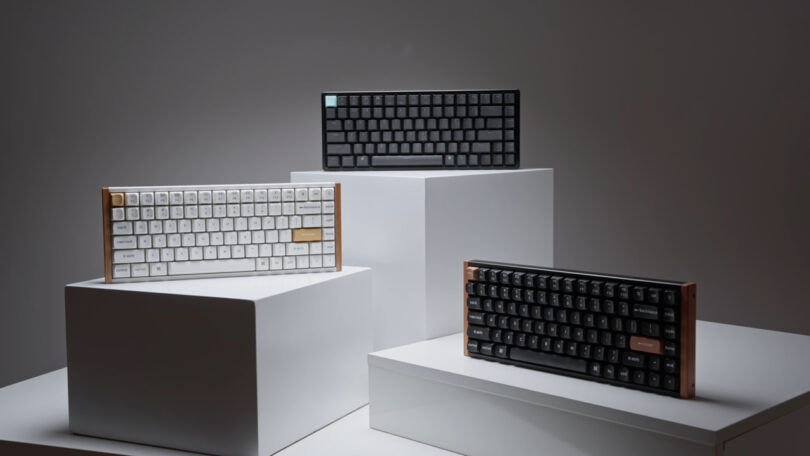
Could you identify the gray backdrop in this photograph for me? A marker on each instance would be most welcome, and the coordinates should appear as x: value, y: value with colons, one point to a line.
x: 678, y: 131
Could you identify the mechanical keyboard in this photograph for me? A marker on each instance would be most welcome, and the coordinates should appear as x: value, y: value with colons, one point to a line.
x: 421, y: 129
x: 161, y: 233
x: 625, y: 331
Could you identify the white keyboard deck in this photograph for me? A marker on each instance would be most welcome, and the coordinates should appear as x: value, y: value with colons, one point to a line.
x: 160, y: 233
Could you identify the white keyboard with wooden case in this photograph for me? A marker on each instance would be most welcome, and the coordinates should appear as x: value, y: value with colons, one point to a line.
x: 183, y: 232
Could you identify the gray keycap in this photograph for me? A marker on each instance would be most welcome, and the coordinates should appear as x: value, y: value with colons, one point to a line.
x: 492, y: 111
x: 407, y: 160
x: 480, y: 147
x: 336, y: 137
x: 348, y: 161
x: 490, y: 135
x: 332, y: 125
x: 338, y: 149
x: 362, y: 161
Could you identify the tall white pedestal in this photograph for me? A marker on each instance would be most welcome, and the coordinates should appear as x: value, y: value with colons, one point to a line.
x: 415, y: 228
x: 230, y: 366
x: 753, y: 397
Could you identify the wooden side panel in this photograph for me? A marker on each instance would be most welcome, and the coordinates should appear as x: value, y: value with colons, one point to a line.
x: 338, y: 224
x: 106, y: 215
x: 688, y: 323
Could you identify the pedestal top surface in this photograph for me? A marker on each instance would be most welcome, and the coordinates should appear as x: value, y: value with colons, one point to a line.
x: 247, y: 288
x: 745, y: 377
x: 415, y: 174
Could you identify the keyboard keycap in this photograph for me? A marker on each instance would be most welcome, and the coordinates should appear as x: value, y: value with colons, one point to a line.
x: 549, y: 360
x: 407, y: 160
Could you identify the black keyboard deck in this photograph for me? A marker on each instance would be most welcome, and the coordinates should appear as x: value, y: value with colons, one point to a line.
x: 421, y: 130
x: 631, y: 332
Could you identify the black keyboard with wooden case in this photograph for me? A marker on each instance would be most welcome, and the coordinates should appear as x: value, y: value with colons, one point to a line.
x: 625, y: 331
x: 451, y: 129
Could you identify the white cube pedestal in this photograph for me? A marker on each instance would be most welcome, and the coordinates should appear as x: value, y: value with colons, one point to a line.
x: 753, y: 395
x: 415, y: 228
x: 230, y: 366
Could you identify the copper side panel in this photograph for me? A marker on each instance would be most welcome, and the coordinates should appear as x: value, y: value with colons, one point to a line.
x: 688, y: 322
x: 470, y: 273
x: 106, y: 214
x: 338, y: 236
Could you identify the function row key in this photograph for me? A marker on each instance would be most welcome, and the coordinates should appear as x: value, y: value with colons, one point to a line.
x: 221, y: 196
x: 416, y: 99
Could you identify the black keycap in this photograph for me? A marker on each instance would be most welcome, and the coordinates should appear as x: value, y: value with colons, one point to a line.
x: 625, y: 291
x: 595, y: 288
x: 487, y: 348
x: 472, y: 346
x: 549, y: 360
x: 624, y: 374
x: 670, y: 349
x: 639, y: 293
x: 633, y: 359
x: 555, y: 283
x: 595, y: 369
x: 488, y: 305
x: 334, y: 125
x: 476, y: 318
x: 670, y: 332
x: 654, y: 362
x: 502, y: 351
x: 478, y: 332
x: 639, y: 378
x: 650, y: 329
x: 491, y: 111
x: 645, y: 311
x: 609, y: 290
x: 517, y: 279
x: 509, y: 337
x: 654, y: 295
x: 669, y: 297
x: 669, y: 315
x: 653, y: 380
x: 609, y: 372
x: 670, y: 383
x: 479, y: 147
x: 670, y: 366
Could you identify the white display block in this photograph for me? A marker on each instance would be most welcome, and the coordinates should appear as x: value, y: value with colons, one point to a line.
x: 752, y: 385
x: 229, y: 366
x: 415, y: 229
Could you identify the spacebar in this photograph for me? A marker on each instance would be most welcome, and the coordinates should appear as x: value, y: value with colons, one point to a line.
x: 549, y: 360
x: 211, y: 266
x: 406, y: 160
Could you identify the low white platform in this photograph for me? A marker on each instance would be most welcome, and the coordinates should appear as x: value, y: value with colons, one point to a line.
x: 753, y: 397
x: 230, y: 366
x: 415, y: 228
x: 34, y: 420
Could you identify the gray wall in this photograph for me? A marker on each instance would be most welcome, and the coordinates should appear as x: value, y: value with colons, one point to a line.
x: 678, y: 131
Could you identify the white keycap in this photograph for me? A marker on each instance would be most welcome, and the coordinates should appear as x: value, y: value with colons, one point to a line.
x: 152, y: 255
x: 329, y: 261
x: 328, y: 234
x: 184, y: 226
x: 157, y: 269
x: 206, y: 211
x: 329, y: 207
x: 190, y: 197
x: 260, y: 195
x: 282, y: 222
x: 159, y: 241
x: 301, y: 194
x: 275, y: 264
x: 274, y: 209
x: 271, y: 236
x: 226, y: 224
x: 247, y: 196
x: 238, y: 251
x: 195, y: 253
x: 328, y: 193
x: 140, y: 270
x: 148, y: 213
x: 155, y: 227
x: 181, y: 254
x: 315, y: 194
x: 287, y: 194
x: 312, y: 221
x: 202, y: 240
x: 233, y: 196
x: 173, y: 240
x: 266, y: 250
x: 191, y: 212
x: 252, y: 251
x: 224, y: 251
x: 247, y: 210
x: 204, y: 196
x: 128, y: 256
x: 147, y: 199
x: 210, y: 253
x: 122, y: 228
x: 188, y: 240
x: 285, y: 236
x: 261, y: 209
x: 175, y: 198
x: 219, y: 197
x: 295, y: 221
x: 244, y: 237
x: 328, y: 220
x: 141, y: 228
x: 329, y: 247
x: 289, y: 262
x: 132, y: 199
x: 262, y: 264
x: 133, y: 213
x: 220, y: 210
x: 231, y: 238
x: 212, y: 225
x: 279, y: 250
x: 145, y: 242
x: 170, y: 226
x: 177, y: 212
x: 254, y: 223
x: 315, y: 248
x: 257, y: 237
x: 118, y: 213
x: 162, y: 198
x: 315, y: 261
x: 217, y: 238
x: 294, y: 248
x: 302, y: 262
x: 311, y: 207
x: 233, y: 210
x: 241, y: 224
x: 121, y: 271
x: 166, y: 255
x: 162, y: 212
x: 288, y: 208
x: 198, y: 226
x: 268, y: 223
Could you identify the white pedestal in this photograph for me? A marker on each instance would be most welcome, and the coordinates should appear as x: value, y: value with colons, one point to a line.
x: 415, y: 228
x: 753, y: 396
x: 231, y: 366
